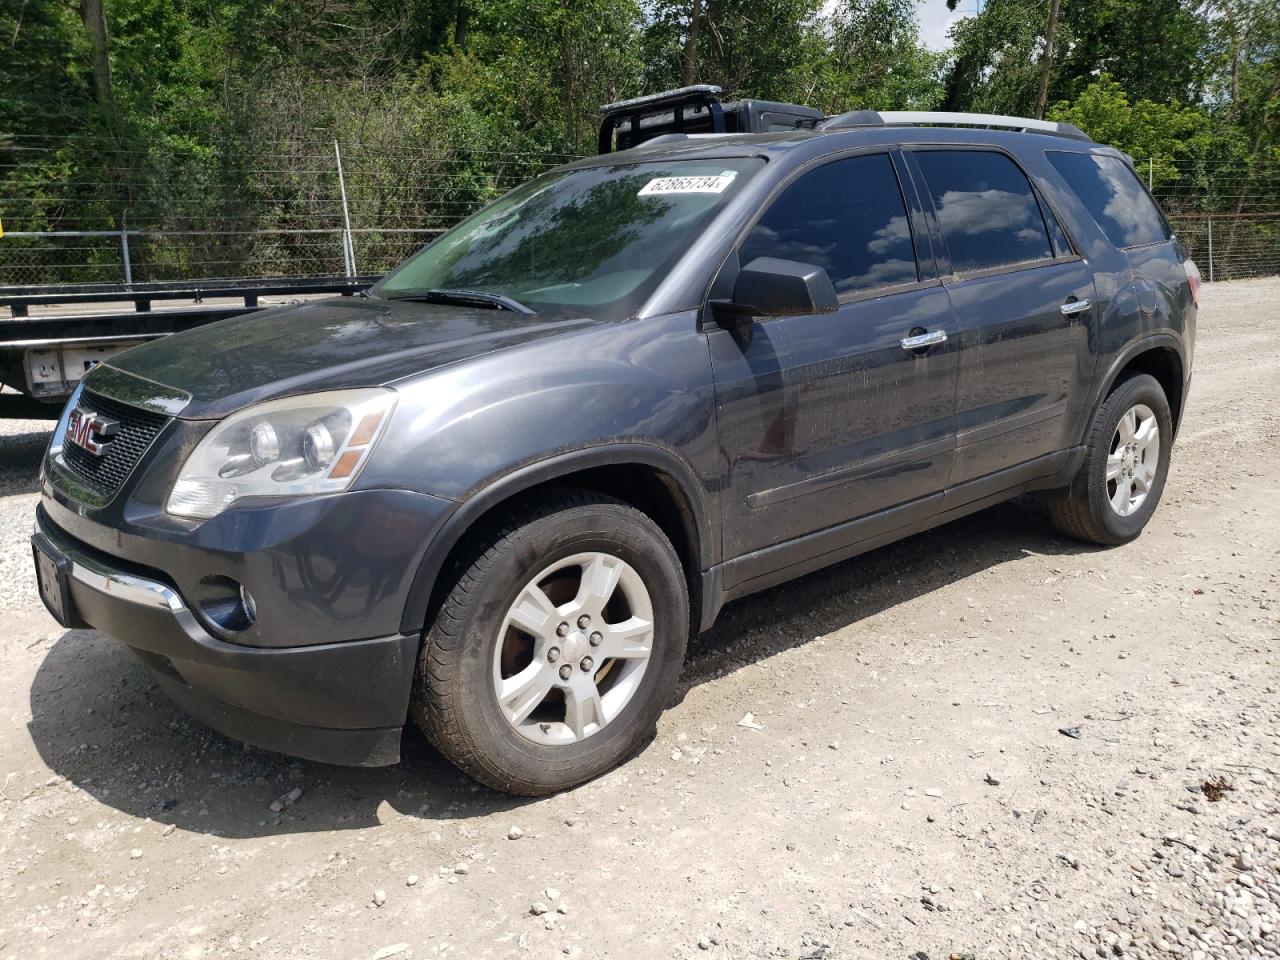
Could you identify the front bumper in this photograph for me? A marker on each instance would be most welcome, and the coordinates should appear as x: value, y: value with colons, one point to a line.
x: 341, y: 703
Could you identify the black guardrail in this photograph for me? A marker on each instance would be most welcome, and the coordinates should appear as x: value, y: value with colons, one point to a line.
x: 141, y: 295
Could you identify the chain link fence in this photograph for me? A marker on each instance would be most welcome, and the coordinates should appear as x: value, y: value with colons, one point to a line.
x: 296, y: 209
x: 1228, y: 214
x: 287, y: 214
x: 136, y: 256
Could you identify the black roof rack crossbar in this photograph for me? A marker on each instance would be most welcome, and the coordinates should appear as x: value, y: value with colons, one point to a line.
x: 667, y: 97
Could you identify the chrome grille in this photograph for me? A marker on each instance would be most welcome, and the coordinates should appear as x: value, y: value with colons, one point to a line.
x: 107, y: 473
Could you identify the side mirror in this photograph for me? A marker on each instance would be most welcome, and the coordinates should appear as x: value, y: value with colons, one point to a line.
x: 769, y: 287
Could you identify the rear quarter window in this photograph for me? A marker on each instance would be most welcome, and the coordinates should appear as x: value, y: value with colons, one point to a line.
x: 1114, y: 197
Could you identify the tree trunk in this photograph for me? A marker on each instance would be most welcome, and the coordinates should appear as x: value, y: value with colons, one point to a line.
x: 460, y: 25
x: 1046, y: 68
x: 95, y: 22
x: 569, y: 76
x: 689, y: 65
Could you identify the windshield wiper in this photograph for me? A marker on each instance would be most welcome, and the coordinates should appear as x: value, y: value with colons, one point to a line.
x: 467, y: 298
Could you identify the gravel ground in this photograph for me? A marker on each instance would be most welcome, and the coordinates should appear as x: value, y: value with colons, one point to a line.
x: 902, y: 787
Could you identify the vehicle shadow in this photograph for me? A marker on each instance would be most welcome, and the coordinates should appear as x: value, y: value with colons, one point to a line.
x: 797, y: 612
x: 20, y: 455
x: 99, y: 721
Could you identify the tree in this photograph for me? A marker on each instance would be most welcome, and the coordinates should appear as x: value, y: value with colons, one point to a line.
x: 873, y: 59
x: 994, y: 59
x: 1145, y: 130
x: 750, y: 48
x: 1152, y: 48
x: 1046, y: 66
x: 95, y: 24
x: 217, y: 115
x: 1001, y: 58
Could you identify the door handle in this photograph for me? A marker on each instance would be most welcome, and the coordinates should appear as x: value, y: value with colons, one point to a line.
x: 922, y: 341
x: 1072, y: 307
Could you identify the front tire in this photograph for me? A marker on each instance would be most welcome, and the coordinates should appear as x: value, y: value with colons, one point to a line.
x: 1125, y: 466
x: 557, y: 646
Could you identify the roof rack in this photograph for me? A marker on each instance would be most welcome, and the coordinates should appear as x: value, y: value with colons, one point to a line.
x: 921, y: 118
x: 662, y: 112
x: 692, y: 111
x: 696, y: 92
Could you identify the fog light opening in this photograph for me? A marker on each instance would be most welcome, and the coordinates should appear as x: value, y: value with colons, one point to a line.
x: 227, y: 604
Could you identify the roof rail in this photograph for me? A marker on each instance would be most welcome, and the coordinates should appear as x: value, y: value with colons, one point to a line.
x: 921, y: 118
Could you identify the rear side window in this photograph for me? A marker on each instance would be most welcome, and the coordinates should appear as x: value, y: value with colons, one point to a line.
x: 986, y: 209
x: 847, y: 217
x: 1113, y: 195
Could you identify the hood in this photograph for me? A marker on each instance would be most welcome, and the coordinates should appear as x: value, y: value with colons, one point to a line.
x: 324, y: 345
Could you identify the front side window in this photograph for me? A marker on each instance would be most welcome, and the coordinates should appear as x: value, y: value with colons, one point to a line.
x: 986, y: 209
x: 1114, y: 197
x: 600, y: 237
x: 847, y: 217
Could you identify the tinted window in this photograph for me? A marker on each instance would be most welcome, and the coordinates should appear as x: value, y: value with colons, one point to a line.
x: 986, y: 208
x: 1114, y: 196
x: 1061, y: 245
x: 847, y: 217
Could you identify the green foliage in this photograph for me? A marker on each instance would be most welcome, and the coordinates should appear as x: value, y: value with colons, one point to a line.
x: 1152, y: 48
x: 874, y: 60
x: 996, y: 54
x: 223, y: 113
x: 1244, y: 52
x: 850, y: 55
x: 1145, y: 130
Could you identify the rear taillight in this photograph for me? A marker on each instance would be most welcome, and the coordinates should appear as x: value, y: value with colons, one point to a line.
x: 1193, y: 277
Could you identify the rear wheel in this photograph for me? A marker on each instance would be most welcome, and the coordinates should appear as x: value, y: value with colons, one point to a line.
x: 1126, y: 462
x: 557, y: 647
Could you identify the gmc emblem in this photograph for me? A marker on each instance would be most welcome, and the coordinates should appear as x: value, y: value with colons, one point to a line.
x: 91, y: 431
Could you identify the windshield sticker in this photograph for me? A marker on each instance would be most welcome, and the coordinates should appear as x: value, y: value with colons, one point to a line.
x: 665, y: 185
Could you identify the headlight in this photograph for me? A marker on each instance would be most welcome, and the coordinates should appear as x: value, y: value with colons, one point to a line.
x: 311, y: 444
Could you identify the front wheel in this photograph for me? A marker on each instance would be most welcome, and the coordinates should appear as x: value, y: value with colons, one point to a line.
x: 557, y: 646
x: 1125, y: 465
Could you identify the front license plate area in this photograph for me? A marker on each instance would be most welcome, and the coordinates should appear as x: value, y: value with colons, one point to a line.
x: 54, y: 582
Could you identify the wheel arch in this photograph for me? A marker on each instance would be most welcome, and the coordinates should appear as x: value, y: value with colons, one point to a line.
x: 653, y: 479
x: 1162, y: 357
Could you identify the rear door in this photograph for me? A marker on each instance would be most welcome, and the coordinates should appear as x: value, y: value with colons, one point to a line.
x: 828, y: 418
x: 1024, y: 302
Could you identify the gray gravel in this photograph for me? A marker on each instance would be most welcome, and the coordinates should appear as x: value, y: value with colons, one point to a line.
x: 22, y: 443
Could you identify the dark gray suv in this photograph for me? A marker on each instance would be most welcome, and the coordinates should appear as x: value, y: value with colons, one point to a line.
x: 499, y: 491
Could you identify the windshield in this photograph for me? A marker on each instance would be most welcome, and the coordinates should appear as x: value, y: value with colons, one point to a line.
x: 599, y: 238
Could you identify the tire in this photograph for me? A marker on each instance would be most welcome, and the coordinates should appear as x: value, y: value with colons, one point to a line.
x: 1087, y: 509
x: 477, y: 645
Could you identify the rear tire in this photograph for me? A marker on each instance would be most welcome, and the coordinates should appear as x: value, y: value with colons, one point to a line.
x: 539, y: 673
x: 1118, y: 485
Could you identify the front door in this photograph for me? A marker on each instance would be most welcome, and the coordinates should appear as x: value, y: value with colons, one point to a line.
x: 829, y: 418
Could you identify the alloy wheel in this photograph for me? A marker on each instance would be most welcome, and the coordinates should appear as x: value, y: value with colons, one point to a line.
x: 1134, y: 458
x: 573, y: 648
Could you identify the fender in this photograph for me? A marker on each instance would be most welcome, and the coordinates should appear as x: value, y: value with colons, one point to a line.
x: 1103, y: 384
x: 496, y: 490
